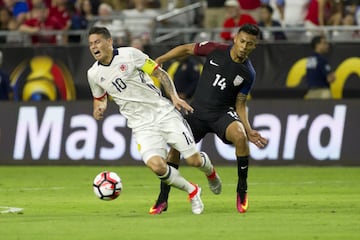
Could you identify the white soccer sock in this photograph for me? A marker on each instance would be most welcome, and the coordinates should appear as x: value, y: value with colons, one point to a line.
x: 172, y: 177
x: 206, y: 165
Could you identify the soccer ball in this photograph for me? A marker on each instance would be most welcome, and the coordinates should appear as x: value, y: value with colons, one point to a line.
x: 107, y: 185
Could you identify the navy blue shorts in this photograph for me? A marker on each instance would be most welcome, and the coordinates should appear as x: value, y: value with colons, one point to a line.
x: 200, y: 127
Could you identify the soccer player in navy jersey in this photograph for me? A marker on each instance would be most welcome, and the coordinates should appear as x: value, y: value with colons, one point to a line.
x: 319, y: 74
x: 220, y: 103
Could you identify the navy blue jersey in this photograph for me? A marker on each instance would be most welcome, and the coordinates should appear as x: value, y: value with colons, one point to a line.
x: 187, y: 76
x: 5, y: 87
x: 221, y: 80
x: 317, y: 69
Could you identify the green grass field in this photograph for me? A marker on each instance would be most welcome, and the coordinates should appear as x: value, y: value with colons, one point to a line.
x: 285, y: 203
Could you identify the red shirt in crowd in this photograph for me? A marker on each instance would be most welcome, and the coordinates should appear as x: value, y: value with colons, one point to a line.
x: 48, y: 24
x: 60, y: 16
x: 313, y: 12
x: 231, y: 23
x: 249, y: 4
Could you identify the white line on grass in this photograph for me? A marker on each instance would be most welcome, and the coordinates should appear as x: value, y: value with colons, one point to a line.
x: 4, y: 209
x: 32, y: 189
x: 40, y: 189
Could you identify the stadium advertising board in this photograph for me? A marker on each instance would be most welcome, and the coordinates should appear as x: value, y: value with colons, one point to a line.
x: 65, y: 133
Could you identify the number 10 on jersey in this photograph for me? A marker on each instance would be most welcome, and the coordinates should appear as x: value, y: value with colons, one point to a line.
x: 119, y: 84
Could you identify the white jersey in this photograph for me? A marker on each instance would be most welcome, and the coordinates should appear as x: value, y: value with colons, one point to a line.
x: 127, y: 81
x: 295, y: 12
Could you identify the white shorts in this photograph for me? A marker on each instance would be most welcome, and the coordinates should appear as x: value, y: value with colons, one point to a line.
x: 171, y: 129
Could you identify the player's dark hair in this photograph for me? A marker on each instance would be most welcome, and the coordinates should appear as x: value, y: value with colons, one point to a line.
x: 251, y: 29
x: 268, y: 8
x: 315, y: 41
x: 101, y: 31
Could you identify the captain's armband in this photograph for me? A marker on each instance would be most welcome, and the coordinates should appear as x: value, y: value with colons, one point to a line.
x: 149, y: 66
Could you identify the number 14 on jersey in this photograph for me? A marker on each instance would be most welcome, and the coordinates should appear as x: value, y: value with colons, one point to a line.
x: 219, y: 81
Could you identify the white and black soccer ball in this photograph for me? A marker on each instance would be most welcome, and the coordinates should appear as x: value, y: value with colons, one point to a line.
x: 107, y: 185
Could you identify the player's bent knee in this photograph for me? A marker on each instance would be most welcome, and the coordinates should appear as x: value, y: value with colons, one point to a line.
x: 241, y: 144
x: 157, y: 165
x: 194, y: 160
x: 241, y: 140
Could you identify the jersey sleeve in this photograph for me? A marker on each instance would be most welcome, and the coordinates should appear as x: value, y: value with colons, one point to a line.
x: 247, y: 87
x: 249, y: 84
x: 143, y: 62
x: 96, y: 90
x: 205, y: 48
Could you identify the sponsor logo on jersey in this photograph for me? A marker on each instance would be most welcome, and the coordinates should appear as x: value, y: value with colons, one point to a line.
x: 102, y: 79
x: 238, y: 80
x: 123, y: 67
x: 203, y: 43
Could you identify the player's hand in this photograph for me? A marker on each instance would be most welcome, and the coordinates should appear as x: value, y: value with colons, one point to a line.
x: 331, y: 77
x: 182, y: 106
x: 99, y: 113
x: 158, y: 61
x: 255, y: 137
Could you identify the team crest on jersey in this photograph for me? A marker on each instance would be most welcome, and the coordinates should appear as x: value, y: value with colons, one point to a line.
x: 238, y: 80
x: 123, y: 67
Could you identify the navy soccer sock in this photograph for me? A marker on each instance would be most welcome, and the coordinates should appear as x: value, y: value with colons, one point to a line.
x: 243, y: 166
x: 164, y: 188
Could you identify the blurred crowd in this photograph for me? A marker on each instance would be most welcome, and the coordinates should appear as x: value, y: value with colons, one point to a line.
x: 134, y: 20
x: 41, y: 19
x: 287, y: 17
x: 132, y: 23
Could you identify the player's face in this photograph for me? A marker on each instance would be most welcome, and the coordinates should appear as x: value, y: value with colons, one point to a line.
x: 323, y: 46
x: 101, y: 48
x: 244, y: 44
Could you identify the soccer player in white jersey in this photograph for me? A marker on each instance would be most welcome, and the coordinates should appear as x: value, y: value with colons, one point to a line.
x: 124, y: 74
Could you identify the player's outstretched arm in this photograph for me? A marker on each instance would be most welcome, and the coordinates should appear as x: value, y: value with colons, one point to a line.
x: 100, y: 105
x: 177, y: 52
x: 253, y: 135
x: 242, y: 112
x: 170, y: 90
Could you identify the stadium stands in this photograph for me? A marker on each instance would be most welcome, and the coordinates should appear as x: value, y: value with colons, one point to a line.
x: 179, y: 25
